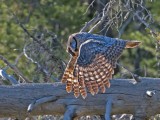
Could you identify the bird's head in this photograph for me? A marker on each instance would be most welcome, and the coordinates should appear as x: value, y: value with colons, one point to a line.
x: 76, y: 39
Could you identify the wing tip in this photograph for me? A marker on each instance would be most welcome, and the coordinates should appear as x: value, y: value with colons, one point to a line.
x: 68, y: 90
x: 132, y: 44
x: 84, y: 96
x: 69, y: 86
x: 76, y: 95
x: 103, y: 90
x: 92, y: 92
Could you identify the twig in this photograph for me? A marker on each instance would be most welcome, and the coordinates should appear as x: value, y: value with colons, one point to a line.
x: 10, y: 78
x: 27, y: 32
x: 104, y: 15
x: 44, y: 71
x: 17, y: 59
x: 29, y: 58
x: 15, y: 69
x: 108, y: 109
x: 135, y: 76
x: 135, y: 13
x: 101, y: 20
x: 69, y: 114
x: 40, y: 101
x: 91, y: 22
x: 49, y: 51
x: 145, y: 23
x: 125, y: 24
x: 91, y: 4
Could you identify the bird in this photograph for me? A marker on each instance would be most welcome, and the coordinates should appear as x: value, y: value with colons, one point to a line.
x: 92, y: 62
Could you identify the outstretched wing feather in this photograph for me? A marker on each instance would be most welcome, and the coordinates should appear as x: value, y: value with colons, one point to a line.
x: 93, y: 68
x: 97, y: 61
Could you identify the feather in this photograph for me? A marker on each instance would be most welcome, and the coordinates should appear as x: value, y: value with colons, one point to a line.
x: 92, y: 66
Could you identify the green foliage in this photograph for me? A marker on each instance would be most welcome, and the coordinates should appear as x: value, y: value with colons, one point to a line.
x: 36, y: 16
x: 147, y: 54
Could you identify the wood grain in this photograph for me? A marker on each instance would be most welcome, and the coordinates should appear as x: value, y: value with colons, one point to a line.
x: 127, y: 97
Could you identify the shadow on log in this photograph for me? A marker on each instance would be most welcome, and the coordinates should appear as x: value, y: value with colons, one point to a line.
x: 142, y: 99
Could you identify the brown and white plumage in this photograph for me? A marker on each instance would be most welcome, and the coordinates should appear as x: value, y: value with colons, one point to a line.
x: 92, y: 63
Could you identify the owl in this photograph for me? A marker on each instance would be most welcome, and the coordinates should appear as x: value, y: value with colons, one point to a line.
x: 92, y: 62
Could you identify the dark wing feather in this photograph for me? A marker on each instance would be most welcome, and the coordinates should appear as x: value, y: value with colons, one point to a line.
x: 95, y: 64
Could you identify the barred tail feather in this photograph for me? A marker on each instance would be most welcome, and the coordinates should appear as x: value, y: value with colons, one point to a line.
x: 88, y: 79
x: 69, y: 86
x: 76, y: 82
x: 101, y: 85
x: 106, y: 83
x: 64, y: 77
x: 82, y: 84
x: 68, y: 76
x: 76, y: 88
x: 89, y: 86
x: 95, y: 86
x: 82, y: 88
x: 68, y: 79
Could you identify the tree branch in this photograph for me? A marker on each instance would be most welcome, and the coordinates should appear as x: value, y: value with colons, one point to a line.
x: 40, y: 101
x: 14, y: 68
x: 103, y: 17
x: 10, y: 78
x: 70, y: 112
x: 108, y: 108
x: 91, y: 22
x: 127, y: 97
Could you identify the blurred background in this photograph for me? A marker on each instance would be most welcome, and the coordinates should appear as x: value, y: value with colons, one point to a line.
x: 34, y: 33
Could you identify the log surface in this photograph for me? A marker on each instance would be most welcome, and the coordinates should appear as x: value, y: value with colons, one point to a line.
x: 127, y: 97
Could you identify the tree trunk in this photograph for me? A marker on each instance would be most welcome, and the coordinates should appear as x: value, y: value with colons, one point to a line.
x: 140, y: 99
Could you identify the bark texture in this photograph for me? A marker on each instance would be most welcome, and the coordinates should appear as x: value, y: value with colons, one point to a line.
x: 140, y: 99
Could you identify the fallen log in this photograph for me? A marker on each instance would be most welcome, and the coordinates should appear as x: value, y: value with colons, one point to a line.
x: 141, y: 99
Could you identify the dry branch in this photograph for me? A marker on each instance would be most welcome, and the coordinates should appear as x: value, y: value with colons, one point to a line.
x: 127, y: 97
x: 91, y: 22
x: 10, y: 78
x: 14, y: 68
x: 108, y: 108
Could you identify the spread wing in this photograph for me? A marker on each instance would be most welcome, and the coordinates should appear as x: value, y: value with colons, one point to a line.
x: 92, y: 66
x: 95, y: 65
